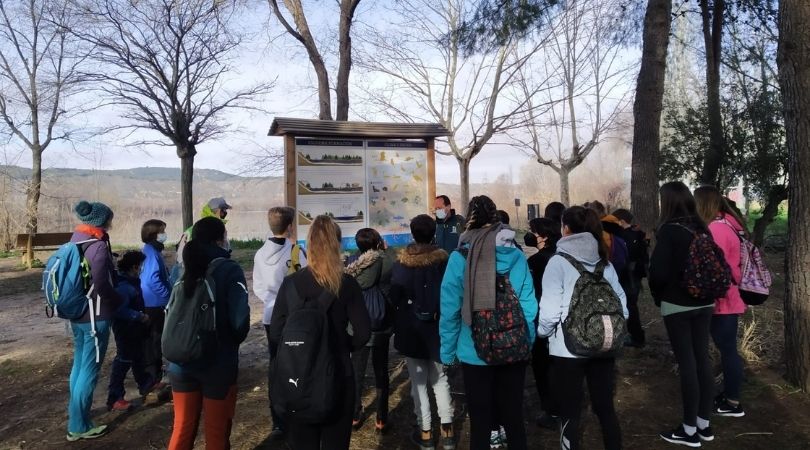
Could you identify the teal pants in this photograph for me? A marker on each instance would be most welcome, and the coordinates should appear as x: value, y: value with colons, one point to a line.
x: 84, y: 375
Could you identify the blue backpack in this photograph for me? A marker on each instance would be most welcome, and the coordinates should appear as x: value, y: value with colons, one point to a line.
x: 66, y: 281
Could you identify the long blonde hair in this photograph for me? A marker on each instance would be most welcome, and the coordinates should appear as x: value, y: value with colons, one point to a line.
x: 323, y: 244
x: 710, y: 203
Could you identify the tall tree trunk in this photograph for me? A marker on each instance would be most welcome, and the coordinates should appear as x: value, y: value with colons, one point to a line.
x: 794, y: 77
x: 776, y: 196
x: 32, y: 203
x: 186, y: 155
x: 712, y: 38
x: 347, y: 9
x: 565, y: 192
x: 649, y: 103
x: 464, y: 178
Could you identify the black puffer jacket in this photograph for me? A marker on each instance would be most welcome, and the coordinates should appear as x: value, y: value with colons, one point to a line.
x: 415, y: 292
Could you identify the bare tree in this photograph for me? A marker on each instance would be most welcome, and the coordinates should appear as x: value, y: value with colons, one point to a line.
x: 647, y: 112
x: 300, y: 30
x: 165, y: 65
x: 585, y: 58
x: 794, y: 74
x: 425, y: 77
x: 39, y: 75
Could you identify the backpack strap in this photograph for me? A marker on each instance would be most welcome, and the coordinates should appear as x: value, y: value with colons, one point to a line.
x: 577, y: 265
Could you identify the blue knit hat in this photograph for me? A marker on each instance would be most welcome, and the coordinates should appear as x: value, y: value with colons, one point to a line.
x: 96, y: 214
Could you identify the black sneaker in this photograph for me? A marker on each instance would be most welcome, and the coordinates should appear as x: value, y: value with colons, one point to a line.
x: 418, y: 439
x: 448, y: 437
x: 706, y: 434
x: 726, y: 409
x: 679, y: 436
x: 548, y: 421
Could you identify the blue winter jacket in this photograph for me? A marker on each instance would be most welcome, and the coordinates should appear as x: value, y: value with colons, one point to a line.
x: 132, y: 307
x: 456, y: 336
x: 155, y: 277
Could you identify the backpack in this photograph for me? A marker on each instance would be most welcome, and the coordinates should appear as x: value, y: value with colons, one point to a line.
x: 376, y: 306
x: 595, y: 326
x: 66, y: 282
x: 190, y: 328
x: 706, y: 275
x: 304, y: 381
x: 756, y: 280
x: 423, y: 304
x: 501, y: 336
x: 294, y: 265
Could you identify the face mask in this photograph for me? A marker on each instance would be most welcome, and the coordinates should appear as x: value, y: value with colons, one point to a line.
x: 161, y: 237
x: 441, y: 214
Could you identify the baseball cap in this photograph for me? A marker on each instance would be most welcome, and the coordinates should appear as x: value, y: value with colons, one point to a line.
x: 218, y: 203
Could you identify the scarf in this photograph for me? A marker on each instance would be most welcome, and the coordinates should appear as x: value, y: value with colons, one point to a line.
x: 91, y: 230
x: 479, y: 270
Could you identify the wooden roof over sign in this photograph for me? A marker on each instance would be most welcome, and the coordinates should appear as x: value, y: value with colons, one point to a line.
x: 283, y: 126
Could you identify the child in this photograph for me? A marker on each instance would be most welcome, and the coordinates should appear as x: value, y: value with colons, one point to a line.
x: 415, y: 294
x: 130, y: 328
x: 278, y: 257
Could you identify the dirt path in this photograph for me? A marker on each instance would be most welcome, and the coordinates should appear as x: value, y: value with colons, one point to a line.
x: 35, y: 358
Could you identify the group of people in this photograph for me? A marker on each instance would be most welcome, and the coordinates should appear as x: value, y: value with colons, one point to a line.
x: 462, y: 296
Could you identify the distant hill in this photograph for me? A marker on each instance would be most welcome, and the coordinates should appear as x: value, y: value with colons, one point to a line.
x: 138, y: 173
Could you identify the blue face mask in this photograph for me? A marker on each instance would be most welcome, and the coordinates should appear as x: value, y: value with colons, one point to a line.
x: 441, y: 214
x: 161, y: 237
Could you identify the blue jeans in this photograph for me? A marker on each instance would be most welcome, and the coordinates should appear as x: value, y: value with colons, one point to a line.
x: 84, y: 375
x: 724, y: 335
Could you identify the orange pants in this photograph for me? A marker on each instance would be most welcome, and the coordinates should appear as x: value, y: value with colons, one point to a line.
x: 217, y: 420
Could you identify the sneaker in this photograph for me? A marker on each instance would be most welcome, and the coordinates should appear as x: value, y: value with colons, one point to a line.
x: 706, y: 434
x: 726, y: 409
x: 679, y: 436
x: 380, y: 426
x: 277, y: 433
x: 357, y: 420
x: 424, y: 439
x: 119, y: 405
x: 92, y: 433
x: 495, y: 439
x: 548, y: 421
x: 448, y: 437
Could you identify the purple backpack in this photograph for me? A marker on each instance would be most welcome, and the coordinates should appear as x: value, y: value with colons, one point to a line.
x: 756, y: 280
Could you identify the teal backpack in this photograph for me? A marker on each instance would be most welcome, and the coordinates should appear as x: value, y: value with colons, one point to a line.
x: 67, y: 283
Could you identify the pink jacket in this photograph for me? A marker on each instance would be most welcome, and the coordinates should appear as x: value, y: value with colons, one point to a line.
x: 728, y: 240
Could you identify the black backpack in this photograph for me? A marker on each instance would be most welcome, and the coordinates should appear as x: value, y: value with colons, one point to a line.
x: 190, y: 328
x: 304, y: 380
x: 595, y: 325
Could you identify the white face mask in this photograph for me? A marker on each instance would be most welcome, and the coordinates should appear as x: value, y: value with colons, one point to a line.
x: 441, y: 214
x: 161, y: 237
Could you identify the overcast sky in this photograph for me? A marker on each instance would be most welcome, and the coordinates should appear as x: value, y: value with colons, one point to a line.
x: 269, y: 55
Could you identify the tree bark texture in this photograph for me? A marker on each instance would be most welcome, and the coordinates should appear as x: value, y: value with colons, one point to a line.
x: 776, y: 196
x: 712, y: 38
x: 647, y: 113
x: 347, y: 8
x: 186, y: 155
x: 794, y: 75
x: 565, y: 191
x: 32, y: 203
x: 464, y: 178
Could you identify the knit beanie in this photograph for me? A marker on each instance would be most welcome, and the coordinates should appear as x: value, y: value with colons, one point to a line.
x: 96, y: 214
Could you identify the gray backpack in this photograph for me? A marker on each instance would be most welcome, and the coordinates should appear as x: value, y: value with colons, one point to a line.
x: 595, y: 326
x: 190, y: 329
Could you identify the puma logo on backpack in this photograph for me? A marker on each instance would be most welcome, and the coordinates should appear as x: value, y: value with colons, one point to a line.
x: 595, y: 326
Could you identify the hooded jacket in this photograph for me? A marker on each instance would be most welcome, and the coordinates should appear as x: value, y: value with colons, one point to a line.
x: 416, y: 282
x: 368, y: 269
x: 270, y: 265
x: 102, y: 272
x: 725, y: 230
x: 559, y: 280
x: 456, y: 336
x: 155, y: 277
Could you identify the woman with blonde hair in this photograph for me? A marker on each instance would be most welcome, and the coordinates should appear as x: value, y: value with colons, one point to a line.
x: 324, y: 274
x: 727, y: 228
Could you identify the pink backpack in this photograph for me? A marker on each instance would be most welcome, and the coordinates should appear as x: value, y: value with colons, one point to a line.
x: 755, y: 283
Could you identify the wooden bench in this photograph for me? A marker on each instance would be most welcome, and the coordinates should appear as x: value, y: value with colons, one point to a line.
x: 41, y: 241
